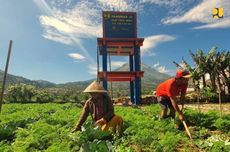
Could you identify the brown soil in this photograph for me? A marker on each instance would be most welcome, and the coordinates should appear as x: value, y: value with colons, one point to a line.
x: 207, y: 107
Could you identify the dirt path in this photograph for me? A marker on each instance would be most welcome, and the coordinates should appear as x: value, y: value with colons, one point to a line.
x: 208, y: 107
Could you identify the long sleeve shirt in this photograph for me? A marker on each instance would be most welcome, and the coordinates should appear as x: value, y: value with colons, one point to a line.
x: 97, y: 108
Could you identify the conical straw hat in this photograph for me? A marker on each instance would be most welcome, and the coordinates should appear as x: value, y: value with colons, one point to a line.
x: 95, y: 87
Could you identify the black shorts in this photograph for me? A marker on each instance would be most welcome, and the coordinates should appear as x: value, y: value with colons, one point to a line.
x: 164, y: 103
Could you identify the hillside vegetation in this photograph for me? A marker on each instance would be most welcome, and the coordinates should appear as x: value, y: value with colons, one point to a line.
x: 71, y: 91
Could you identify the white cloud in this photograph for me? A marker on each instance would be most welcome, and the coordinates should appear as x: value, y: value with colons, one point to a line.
x: 116, y: 64
x: 61, y: 38
x: 202, y: 13
x: 92, y: 69
x: 76, y: 21
x: 221, y: 24
x: 81, y: 20
x: 160, y: 68
x: 77, y: 56
x: 57, y: 24
x: 156, y: 65
x: 152, y: 41
x: 92, y: 72
x: 120, y: 5
x: 72, y: 25
x: 182, y: 65
x: 70, y: 22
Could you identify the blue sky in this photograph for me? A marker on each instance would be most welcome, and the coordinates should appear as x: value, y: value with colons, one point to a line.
x: 55, y: 40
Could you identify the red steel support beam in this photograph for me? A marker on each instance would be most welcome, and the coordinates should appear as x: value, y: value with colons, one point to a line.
x: 120, y: 76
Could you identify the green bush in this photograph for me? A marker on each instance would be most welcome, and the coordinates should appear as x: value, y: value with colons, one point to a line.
x: 223, y: 124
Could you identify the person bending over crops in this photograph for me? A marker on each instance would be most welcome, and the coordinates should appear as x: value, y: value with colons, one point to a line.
x: 101, y: 109
x: 167, y: 91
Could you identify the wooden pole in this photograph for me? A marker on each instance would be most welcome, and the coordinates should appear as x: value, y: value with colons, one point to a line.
x: 111, y: 84
x: 5, y: 74
x: 187, y: 130
x: 98, y: 60
x: 220, y: 107
x: 198, y: 101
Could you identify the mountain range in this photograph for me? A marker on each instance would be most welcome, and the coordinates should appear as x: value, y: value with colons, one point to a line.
x: 12, y: 79
x: 150, y: 80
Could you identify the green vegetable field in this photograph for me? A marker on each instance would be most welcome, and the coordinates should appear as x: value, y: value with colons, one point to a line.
x: 46, y: 127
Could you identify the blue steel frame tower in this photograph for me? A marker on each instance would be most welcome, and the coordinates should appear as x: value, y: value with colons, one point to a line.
x: 120, y: 39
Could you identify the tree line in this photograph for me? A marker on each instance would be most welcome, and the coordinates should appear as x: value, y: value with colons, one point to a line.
x: 23, y: 93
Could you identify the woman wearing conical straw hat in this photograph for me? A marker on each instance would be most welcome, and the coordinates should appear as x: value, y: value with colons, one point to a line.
x: 101, y: 109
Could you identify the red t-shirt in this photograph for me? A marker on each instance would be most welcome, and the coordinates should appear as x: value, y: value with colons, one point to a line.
x: 170, y: 88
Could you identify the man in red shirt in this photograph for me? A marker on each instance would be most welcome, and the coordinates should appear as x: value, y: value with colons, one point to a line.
x: 168, y: 90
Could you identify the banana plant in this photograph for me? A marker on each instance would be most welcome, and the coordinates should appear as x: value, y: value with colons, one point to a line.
x: 199, y: 59
x: 222, y: 66
x: 211, y: 66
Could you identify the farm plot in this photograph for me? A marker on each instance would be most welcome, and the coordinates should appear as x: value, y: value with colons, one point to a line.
x: 46, y: 127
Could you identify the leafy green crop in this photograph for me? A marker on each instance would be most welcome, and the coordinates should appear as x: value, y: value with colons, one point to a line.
x: 223, y: 124
x: 46, y: 127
